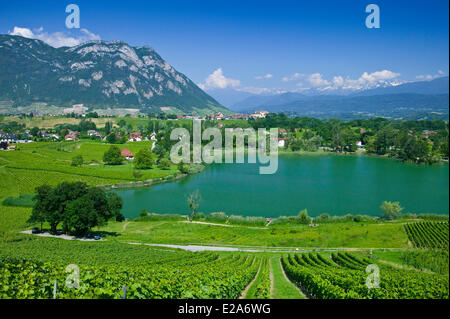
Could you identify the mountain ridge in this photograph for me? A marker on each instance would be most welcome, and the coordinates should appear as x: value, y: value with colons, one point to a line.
x: 98, y: 74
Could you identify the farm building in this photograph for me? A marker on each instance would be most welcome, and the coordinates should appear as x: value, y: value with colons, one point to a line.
x: 127, y: 154
x: 70, y: 137
x: 135, y: 137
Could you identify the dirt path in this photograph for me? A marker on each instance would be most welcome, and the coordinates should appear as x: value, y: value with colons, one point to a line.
x: 252, y: 249
x: 124, y: 227
x: 271, y: 279
x: 65, y: 237
x: 244, y: 292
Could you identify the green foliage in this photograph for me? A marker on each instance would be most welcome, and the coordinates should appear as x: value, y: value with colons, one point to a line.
x: 303, y: 217
x: 144, y: 159
x: 21, y: 201
x: 113, y: 156
x: 436, y: 260
x: 345, y: 278
x: 428, y: 234
x: 164, y: 163
x: 143, y: 213
x: 77, y: 206
x: 391, y: 210
x: 112, y: 138
x: 260, y: 289
x: 137, y: 174
x: 77, y: 160
x: 203, y: 276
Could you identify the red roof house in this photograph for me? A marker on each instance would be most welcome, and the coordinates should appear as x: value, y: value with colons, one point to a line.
x: 127, y: 154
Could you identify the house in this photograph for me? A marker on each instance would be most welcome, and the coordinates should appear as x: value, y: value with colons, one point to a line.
x: 153, y: 136
x: 282, y: 141
x: 12, y: 147
x: 180, y: 117
x: 94, y: 133
x: 70, y: 137
x: 135, y: 137
x: 259, y: 114
x: 76, y: 133
x: 282, y: 131
x: 8, y: 138
x: 359, y: 144
x: 127, y: 154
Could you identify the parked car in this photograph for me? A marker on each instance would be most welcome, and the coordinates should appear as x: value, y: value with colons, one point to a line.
x: 35, y: 230
x: 59, y: 232
x: 97, y: 237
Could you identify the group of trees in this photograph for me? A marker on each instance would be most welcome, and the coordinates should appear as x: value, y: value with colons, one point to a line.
x: 402, y: 139
x: 76, y: 206
x: 144, y: 159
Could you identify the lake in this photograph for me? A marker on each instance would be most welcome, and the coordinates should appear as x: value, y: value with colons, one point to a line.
x: 336, y: 185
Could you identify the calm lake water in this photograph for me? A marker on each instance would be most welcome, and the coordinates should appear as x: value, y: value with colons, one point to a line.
x: 337, y: 185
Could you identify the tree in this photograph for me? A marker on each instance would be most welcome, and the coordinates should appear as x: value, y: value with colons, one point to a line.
x: 183, y: 168
x: 111, y: 138
x: 75, y: 205
x: 108, y: 127
x: 391, y: 210
x: 193, y: 202
x: 143, y: 159
x: 77, y: 160
x: 113, y: 156
x: 34, y: 131
x: 88, y: 211
x: 164, y: 163
x: 143, y: 213
x: 42, y: 205
x: 303, y: 217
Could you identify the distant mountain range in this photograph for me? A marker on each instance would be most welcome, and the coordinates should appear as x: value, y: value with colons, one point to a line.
x: 424, y: 99
x: 97, y: 74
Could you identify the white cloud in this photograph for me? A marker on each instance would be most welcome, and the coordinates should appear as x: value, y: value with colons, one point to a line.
x: 217, y: 80
x: 365, y: 81
x: 379, y: 76
x: 56, y: 39
x: 267, y: 76
x: 316, y: 80
x: 426, y: 77
x: 293, y: 77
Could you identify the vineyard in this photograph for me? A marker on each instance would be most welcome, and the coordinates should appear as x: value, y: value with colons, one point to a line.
x: 343, y: 276
x: 428, y: 234
x: 260, y: 289
x: 200, y: 276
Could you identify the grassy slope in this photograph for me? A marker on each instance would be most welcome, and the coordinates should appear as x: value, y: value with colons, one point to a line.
x: 34, y: 164
x: 282, y: 288
x: 352, y: 234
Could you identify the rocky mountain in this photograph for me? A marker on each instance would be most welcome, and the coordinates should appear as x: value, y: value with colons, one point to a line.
x: 98, y: 74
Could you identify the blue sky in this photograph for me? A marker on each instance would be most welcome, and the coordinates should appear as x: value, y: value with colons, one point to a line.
x: 262, y: 45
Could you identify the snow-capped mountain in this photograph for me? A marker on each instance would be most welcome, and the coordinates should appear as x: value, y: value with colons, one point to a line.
x: 98, y: 74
